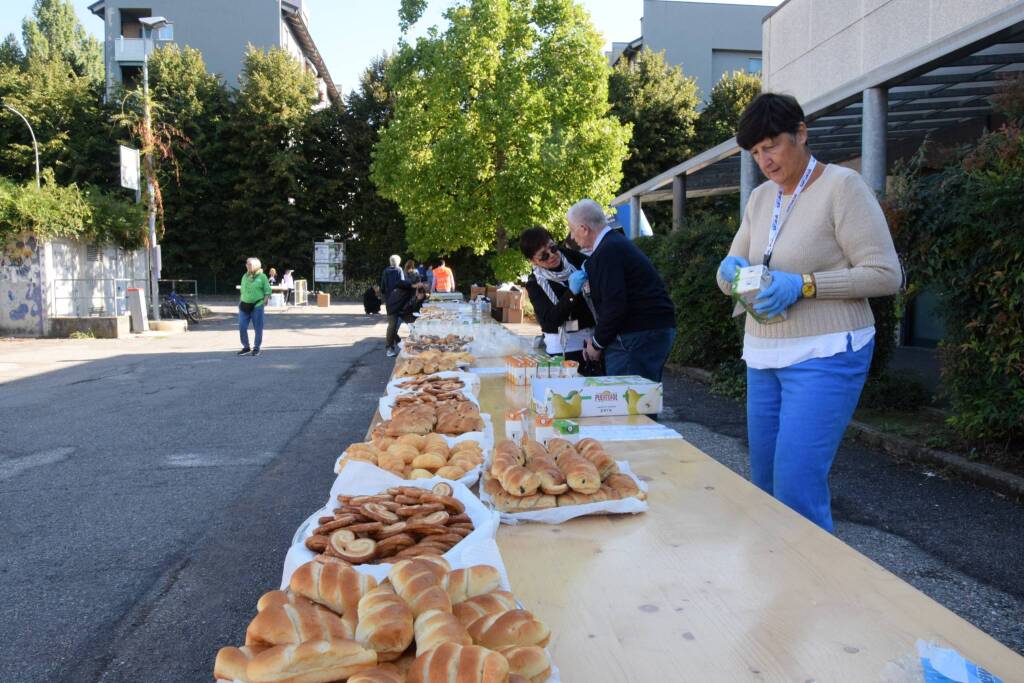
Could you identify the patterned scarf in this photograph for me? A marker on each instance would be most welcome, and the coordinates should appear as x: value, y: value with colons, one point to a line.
x: 545, y: 277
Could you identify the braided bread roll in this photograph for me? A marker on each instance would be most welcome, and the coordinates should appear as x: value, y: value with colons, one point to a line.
x: 434, y: 627
x: 288, y: 624
x: 552, y: 481
x: 463, y: 584
x: 478, y: 606
x: 454, y: 663
x: 419, y: 584
x: 528, y: 661
x: 385, y: 623
x: 580, y: 473
x: 232, y: 663
x: 514, y: 627
x: 317, y: 661
x: 335, y: 585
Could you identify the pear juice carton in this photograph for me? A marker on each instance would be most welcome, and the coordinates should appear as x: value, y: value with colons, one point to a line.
x: 569, y: 398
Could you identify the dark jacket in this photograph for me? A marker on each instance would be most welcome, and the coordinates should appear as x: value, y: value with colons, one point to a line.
x: 551, y: 316
x: 628, y: 293
x: 388, y: 279
x: 371, y: 302
x: 402, y: 301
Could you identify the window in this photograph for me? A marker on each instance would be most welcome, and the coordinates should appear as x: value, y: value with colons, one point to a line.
x: 93, y: 254
x: 165, y: 32
x: 754, y: 65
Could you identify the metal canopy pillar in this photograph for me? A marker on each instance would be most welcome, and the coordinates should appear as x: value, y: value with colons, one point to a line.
x: 678, y: 201
x: 874, y: 131
x: 748, y: 176
x: 634, y: 217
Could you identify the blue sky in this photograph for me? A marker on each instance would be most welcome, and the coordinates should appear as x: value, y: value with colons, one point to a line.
x: 350, y: 32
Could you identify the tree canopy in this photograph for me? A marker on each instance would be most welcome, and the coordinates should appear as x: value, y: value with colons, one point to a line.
x: 500, y: 123
x: 728, y: 98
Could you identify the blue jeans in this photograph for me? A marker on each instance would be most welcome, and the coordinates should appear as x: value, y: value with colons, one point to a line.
x: 796, y: 417
x: 640, y: 353
x: 257, y: 322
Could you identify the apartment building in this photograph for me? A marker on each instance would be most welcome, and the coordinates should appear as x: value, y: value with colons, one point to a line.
x: 706, y: 39
x: 220, y: 29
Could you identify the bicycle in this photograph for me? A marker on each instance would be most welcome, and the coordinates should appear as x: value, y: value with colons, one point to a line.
x: 174, y: 306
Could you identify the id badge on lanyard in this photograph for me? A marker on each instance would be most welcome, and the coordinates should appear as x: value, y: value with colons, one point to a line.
x: 778, y: 218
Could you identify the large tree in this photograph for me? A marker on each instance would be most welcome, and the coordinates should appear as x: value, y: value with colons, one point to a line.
x: 500, y: 123
x: 728, y: 98
x: 53, y: 32
x: 661, y: 103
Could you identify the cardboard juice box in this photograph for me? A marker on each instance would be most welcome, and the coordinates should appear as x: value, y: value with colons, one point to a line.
x: 596, y: 396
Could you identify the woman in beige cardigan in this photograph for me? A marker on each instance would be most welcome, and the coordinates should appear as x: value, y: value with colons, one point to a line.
x: 809, y: 335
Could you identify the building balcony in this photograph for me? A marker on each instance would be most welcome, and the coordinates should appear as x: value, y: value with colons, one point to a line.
x: 129, y: 49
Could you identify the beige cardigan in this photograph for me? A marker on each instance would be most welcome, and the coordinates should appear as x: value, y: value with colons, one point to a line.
x: 836, y: 231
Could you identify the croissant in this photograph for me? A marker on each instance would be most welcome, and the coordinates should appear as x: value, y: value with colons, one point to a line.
x: 463, y: 584
x: 385, y: 622
x: 514, y: 627
x: 580, y: 473
x: 286, y: 624
x: 232, y: 663
x: 520, y: 481
x: 385, y: 673
x: 552, y: 480
x: 434, y: 627
x: 418, y: 583
x: 528, y: 661
x: 454, y: 663
x: 429, y: 461
x: 337, y: 586
x: 472, y: 609
x: 316, y: 661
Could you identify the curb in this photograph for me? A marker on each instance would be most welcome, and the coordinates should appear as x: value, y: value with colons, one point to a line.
x: 983, y: 475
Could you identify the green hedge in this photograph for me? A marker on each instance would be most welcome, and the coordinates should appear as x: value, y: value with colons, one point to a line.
x: 960, y: 233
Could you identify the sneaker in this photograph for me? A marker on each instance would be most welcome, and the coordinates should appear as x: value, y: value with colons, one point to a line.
x: 392, y: 352
x: 243, y: 352
x: 255, y: 352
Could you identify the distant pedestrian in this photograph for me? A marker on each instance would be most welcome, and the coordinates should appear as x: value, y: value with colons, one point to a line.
x: 636, y: 320
x: 255, y: 293
x: 405, y: 299
x: 391, y: 276
x: 372, y: 300
x: 288, y: 282
x: 428, y: 269
x: 810, y: 334
x: 444, y: 278
x: 412, y: 273
x: 272, y: 276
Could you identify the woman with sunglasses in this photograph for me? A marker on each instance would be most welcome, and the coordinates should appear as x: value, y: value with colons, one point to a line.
x: 555, y: 287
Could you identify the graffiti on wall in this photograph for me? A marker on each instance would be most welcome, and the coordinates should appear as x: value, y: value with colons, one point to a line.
x: 21, y: 306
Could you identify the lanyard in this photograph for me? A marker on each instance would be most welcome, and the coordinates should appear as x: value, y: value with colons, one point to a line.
x: 776, y: 227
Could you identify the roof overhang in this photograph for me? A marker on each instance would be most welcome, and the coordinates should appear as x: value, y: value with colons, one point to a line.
x: 98, y: 8
x: 292, y: 12
x: 942, y: 86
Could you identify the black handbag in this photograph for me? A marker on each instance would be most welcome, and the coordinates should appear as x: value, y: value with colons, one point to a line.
x: 246, y: 306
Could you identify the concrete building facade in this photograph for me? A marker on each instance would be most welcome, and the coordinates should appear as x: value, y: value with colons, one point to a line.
x: 705, y: 39
x: 220, y: 29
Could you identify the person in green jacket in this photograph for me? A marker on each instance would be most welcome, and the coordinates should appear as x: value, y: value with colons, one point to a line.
x: 255, y: 295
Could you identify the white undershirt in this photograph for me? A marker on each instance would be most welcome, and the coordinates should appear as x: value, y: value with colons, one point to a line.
x: 763, y: 353
x: 573, y: 341
x: 598, y: 240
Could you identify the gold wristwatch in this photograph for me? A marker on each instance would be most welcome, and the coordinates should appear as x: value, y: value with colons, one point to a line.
x: 809, y: 289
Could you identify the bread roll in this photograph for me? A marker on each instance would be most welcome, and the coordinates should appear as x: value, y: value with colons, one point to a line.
x: 469, y: 582
x: 335, y: 585
x: 434, y: 627
x: 514, y: 627
x: 271, y: 598
x: 528, y: 661
x: 233, y: 662
x: 286, y: 624
x: 384, y: 673
x: 604, y: 463
x: 454, y: 663
x: 520, y: 481
x: 552, y: 481
x: 385, y: 623
x: 533, y: 449
x: 580, y: 474
x: 419, y: 584
x: 429, y: 461
x: 316, y: 661
x: 623, y: 484
x: 472, y: 609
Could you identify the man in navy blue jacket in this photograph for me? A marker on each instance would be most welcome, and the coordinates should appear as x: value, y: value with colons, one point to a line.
x: 636, y: 321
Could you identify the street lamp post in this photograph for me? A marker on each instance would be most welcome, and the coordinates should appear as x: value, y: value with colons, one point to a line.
x: 150, y: 24
x: 35, y: 145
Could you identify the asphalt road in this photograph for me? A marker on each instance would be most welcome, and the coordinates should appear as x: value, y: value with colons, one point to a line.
x: 149, y: 489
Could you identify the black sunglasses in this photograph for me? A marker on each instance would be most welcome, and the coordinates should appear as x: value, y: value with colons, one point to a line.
x: 545, y: 254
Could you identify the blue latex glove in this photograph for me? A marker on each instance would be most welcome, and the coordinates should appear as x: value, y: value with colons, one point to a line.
x: 727, y: 269
x: 576, y: 281
x: 782, y: 293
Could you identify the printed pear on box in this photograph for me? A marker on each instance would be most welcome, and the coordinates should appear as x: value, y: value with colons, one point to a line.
x: 568, y: 406
x: 596, y: 396
x: 644, y: 404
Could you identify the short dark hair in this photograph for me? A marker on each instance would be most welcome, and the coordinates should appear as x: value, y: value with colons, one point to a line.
x: 768, y: 115
x: 533, y: 240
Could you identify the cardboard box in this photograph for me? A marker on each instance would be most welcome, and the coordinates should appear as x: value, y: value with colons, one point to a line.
x: 475, y: 291
x: 596, y: 396
x: 511, y: 299
x: 323, y: 299
x: 511, y: 315
x: 496, y: 313
x: 492, y: 294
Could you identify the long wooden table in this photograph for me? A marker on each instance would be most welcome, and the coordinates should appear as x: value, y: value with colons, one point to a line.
x: 717, y: 582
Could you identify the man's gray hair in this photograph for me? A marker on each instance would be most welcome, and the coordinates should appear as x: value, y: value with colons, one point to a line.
x: 588, y: 212
x: 256, y: 265
x: 395, y: 260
